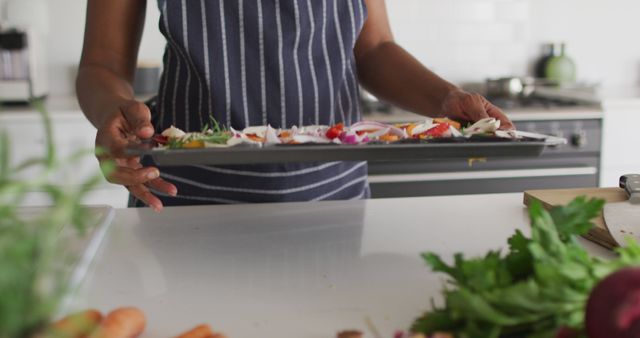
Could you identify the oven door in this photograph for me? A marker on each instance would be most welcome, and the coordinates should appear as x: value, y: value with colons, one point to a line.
x: 455, y: 178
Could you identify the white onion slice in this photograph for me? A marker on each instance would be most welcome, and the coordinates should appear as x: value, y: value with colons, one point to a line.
x: 455, y: 132
x: 310, y: 139
x: 373, y: 125
x: 173, y: 132
x: 271, y: 136
x: 423, y: 127
x: 259, y: 131
x: 487, y: 125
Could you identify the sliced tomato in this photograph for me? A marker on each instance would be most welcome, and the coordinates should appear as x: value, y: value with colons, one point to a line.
x: 437, y: 131
x: 162, y: 140
x: 335, y: 131
x: 255, y: 137
x: 450, y: 122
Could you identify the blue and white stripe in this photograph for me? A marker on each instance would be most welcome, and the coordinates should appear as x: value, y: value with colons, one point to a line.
x: 250, y: 62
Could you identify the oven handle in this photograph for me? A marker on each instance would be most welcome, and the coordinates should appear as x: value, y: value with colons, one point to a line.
x: 486, y: 174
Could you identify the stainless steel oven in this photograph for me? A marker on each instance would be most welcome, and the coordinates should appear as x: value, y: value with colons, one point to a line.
x: 574, y: 165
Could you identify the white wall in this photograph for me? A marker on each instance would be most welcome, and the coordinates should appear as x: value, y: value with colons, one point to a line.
x: 64, y: 40
x: 468, y: 40
x: 463, y: 40
x: 602, y: 35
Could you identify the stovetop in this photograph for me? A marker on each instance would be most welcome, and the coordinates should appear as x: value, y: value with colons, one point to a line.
x: 534, y: 102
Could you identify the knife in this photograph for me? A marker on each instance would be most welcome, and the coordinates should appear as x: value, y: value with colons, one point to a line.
x: 623, y: 218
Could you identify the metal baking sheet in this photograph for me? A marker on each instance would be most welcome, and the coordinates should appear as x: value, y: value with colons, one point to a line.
x: 482, y: 147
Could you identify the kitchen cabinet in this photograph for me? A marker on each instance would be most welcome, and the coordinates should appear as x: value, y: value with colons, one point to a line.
x: 621, y: 139
x: 72, y: 133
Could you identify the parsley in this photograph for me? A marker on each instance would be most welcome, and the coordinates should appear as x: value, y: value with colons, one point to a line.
x: 539, y: 286
x: 176, y: 143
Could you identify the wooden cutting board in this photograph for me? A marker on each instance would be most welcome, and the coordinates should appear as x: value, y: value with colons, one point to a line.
x: 600, y: 233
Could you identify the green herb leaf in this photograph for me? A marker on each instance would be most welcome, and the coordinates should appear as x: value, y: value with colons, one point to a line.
x: 540, y: 285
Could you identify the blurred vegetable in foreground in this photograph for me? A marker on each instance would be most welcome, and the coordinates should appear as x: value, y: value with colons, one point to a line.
x: 33, y: 265
x: 538, y: 289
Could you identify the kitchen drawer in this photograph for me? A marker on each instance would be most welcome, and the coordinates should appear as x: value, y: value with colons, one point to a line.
x: 390, y: 168
x: 482, y: 185
x: 27, y: 140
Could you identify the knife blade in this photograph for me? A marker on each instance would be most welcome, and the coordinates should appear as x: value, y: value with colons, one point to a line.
x: 623, y: 218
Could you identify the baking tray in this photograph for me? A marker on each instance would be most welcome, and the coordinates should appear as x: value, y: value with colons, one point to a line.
x: 531, y: 145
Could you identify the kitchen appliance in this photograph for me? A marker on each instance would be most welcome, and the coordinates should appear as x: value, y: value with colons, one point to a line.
x: 515, y: 88
x: 561, y: 67
x: 549, y: 50
x: 370, y: 103
x: 22, y: 67
x: 623, y: 218
x: 510, y: 87
x: 573, y: 165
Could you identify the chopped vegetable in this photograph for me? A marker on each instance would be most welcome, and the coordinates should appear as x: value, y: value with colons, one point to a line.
x: 193, y: 144
x: 438, y: 131
x: 450, y: 122
x: 613, y: 309
x: 335, y: 131
x: 540, y: 286
x: 121, y: 323
x: 389, y: 138
x: 359, y: 133
x: 78, y: 325
x: 200, y: 331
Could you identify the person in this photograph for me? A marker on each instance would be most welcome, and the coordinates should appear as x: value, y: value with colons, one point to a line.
x: 251, y: 62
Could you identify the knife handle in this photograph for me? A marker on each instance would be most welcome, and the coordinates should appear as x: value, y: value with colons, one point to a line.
x: 631, y: 184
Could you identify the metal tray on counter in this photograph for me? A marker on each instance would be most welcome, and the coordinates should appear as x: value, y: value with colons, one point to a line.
x: 530, y: 145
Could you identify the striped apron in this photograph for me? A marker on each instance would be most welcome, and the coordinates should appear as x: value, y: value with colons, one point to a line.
x: 258, y: 62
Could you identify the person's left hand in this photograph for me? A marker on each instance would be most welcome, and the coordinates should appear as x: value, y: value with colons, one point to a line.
x: 461, y: 105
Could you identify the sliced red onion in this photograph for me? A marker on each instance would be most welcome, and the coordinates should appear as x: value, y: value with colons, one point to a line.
x: 349, y: 138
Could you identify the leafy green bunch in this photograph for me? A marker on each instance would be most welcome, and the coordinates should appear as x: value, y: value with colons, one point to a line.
x: 33, y: 260
x: 541, y: 285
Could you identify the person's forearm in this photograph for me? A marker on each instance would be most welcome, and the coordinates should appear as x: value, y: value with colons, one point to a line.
x: 390, y: 73
x: 100, y: 91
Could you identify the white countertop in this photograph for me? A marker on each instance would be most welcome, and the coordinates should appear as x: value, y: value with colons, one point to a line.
x: 520, y: 114
x: 292, y: 270
x: 67, y: 107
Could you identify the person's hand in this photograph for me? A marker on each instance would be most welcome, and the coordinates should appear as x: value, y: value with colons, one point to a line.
x: 461, y: 105
x: 132, y: 121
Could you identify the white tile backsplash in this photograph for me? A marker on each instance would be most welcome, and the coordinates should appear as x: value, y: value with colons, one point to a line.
x: 463, y: 40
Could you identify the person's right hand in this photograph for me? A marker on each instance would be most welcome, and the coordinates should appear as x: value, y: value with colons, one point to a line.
x: 131, y: 122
